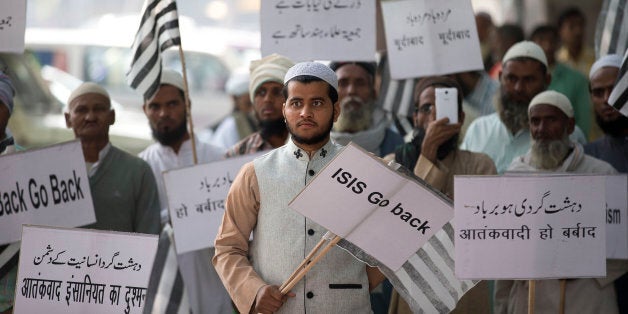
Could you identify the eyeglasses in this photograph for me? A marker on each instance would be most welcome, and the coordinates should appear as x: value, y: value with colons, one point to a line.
x: 425, y: 109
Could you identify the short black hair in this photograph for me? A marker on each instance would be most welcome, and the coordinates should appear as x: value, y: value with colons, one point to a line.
x: 369, y: 67
x: 305, y: 79
x: 544, y: 29
x: 568, y: 13
x: 512, y: 32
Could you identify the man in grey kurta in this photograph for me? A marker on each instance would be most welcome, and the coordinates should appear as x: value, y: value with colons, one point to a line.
x: 123, y: 187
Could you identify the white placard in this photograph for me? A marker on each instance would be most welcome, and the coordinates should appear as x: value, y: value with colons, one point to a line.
x: 12, y: 25
x: 47, y: 186
x: 431, y: 37
x: 617, y: 216
x: 83, y: 271
x: 529, y: 227
x: 362, y: 200
x: 319, y: 30
x: 196, y: 200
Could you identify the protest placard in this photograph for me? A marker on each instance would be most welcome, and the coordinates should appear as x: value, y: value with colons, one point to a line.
x: 617, y: 216
x: 319, y: 30
x: 64, y: 270
x: 431, y: 37
x: 47, y: 186
x: 530, y: 227
x: 12, y: 25
x: 196, y: 200
x: 360, y: 199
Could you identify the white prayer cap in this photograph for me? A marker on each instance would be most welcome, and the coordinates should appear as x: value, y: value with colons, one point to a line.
x: 172, y: 77
x: 87, y: 88
x: 238, y: 83
x: 315, y: 69
x: 271, y: 68
x: 525, y: 49
x: 612, y: 60
x: 555, y: 99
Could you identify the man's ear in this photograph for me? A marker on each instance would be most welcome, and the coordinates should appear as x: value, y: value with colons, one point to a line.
x: 68, y: 123
x: 461, y: 116
x: 112, y: 116
x: 336, y: 110
x: 571, y: 125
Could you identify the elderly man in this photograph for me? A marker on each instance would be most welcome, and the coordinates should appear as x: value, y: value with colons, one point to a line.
x: 613, y: 146
x: 551, y: 119
x: 166, y: 113
x: 258, y: 202
x: 123, y: 187
x: 433, y: 156
x: 504, y: 134
x: 360, y: 120
x: 265, y: 86
x: 8, y: 253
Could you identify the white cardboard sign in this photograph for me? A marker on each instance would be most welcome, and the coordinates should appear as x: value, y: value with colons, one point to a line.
x: 196, y: 200
x: 47, y: 186
x: 530, y: 227
x: 617, y: 216
x: 83, y: 271
x: 319, y: 30
x: 431, y: 37
x: 359, y: 198
x: 12, y: 25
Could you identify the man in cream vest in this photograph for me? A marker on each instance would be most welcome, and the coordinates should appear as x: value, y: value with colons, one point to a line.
x: 258, y: 203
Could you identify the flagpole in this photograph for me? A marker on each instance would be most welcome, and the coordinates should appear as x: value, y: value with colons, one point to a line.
x: 561, y: 308
x: 187, y: 103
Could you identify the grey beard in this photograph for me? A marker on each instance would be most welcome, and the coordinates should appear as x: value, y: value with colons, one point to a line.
x: 514, y: 114
x: 549, y: 154
x: 352, y: 120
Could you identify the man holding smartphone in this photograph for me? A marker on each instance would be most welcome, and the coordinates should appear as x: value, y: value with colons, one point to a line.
x: 433, y: 156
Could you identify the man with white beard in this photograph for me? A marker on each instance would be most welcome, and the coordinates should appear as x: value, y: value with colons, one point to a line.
x: 551, y: 121
x: 361, y: 121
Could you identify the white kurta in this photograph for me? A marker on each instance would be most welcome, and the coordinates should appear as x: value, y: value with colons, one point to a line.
x: 206, y: 292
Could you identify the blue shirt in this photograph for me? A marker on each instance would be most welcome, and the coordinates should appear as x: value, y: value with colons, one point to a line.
x: 489, y: 135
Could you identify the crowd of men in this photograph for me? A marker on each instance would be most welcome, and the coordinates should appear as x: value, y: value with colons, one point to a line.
x: 537, y: 116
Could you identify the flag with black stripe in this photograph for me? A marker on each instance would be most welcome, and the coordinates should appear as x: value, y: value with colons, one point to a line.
x: 166, y: 292
x: 611, y: 33
x: 9, y: 255
x: 426, y: 281
x: 619, y: 96
x: 396, y: 99
x: 158, y: 31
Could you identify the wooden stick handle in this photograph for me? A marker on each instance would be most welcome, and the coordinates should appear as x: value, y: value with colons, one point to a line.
x: 306, y: 260
x: 561, y: 306
x: 289, y: 285
x: 531, y: 290
x: 187, y: 105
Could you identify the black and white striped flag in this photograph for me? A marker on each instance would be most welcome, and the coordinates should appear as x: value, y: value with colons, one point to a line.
x: 166, y: 293
x: 396, y: 98
x: 426, y: 281
x: 619, y: 96
x: 158, y: 31
x: 611, y: 33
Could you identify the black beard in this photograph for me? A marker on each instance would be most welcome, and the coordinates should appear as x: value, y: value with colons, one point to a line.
x: 615, y: 128
x: 313, y: 140
x: 443, y: 150
x: 514, y: 114
x: 272, y: 127
x: 171, y: 137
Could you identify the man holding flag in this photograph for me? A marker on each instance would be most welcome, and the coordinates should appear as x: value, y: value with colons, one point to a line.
x: 187, y: 280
